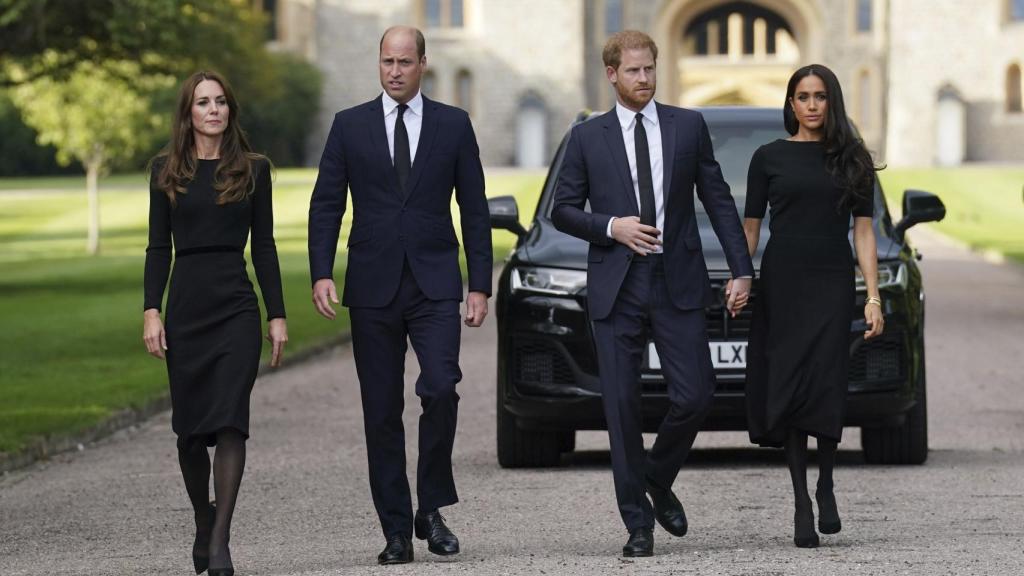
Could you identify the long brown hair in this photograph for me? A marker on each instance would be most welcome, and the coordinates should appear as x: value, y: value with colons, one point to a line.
x: 233, y: 179
x: 846, y: 158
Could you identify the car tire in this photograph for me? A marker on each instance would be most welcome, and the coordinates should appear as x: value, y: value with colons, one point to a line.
x: 519, y: 448
x: 906, y: 444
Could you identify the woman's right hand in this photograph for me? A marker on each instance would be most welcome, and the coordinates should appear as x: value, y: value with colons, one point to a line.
x: 153, y: 333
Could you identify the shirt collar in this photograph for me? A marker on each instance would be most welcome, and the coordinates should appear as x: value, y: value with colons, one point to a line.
x: 626, y: 116
x: 415, y: 105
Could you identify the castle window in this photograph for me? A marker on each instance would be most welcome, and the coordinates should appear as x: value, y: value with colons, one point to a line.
x: 429, y: 84
x: 1013, y: 89
x: 612, y: 16
x: 864, y: 15
x: 443, y: 13
x: 464, y: 90
x: 1016, y: 10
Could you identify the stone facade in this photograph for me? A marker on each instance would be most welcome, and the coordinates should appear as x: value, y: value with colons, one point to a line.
x: 525, y: 68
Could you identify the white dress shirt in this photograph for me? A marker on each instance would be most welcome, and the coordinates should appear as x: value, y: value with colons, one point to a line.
x: 413, y: 119
x: 627, y: 120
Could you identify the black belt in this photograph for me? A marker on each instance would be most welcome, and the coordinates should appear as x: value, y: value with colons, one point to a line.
x: 207, y: 250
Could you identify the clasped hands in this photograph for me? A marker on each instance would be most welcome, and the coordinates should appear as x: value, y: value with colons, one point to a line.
x: 643, y: 239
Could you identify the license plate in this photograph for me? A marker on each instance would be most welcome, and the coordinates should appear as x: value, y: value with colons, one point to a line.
x: 723, y: 355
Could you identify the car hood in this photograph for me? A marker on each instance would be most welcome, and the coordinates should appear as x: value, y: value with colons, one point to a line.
x: 546, y: 246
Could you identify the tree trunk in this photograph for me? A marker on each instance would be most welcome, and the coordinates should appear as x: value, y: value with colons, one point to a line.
x: 92, y: 174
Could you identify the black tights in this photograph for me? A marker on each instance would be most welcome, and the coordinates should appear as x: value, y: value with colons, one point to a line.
x: 796, y: 458
x: 228, y: 466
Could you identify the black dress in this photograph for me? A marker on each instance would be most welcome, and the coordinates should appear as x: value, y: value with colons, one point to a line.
x: 213, y: 319
x: 798, y: 352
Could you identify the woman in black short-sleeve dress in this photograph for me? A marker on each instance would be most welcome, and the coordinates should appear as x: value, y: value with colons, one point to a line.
x: 208, y: 193
x: 799, y: 343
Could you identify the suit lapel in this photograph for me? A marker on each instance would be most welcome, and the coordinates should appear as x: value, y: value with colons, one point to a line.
x: 617, y: 147
x: 668, y: 149
x: 428, y: 129
x: 379, y: 140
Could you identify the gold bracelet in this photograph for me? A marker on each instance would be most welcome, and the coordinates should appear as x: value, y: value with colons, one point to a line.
x: 874, y: 300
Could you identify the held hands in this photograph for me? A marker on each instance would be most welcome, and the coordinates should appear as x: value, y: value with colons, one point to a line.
x: 639, y: 238
x: 476, y: 309
x: 153, y: 333
x: 875, y: 321
x: 738, y: 292
x: 277, y: 335
x: 324, y: 294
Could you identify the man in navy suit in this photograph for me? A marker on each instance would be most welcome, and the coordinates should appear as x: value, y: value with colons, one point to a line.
x: 401, y: 155
x: 638, y: 166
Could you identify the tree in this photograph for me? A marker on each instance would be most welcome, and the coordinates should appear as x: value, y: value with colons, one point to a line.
x: 96, y: 116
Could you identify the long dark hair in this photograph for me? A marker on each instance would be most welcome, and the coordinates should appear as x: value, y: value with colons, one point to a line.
x: 233, y: 179
x: 846, y: 157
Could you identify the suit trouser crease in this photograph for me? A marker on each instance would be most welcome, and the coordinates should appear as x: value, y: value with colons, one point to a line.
x: 643, y: 309
x: 379, y: 344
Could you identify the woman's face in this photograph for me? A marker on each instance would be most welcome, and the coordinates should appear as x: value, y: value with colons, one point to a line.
x: 209, y: 109
x: 810, y: 103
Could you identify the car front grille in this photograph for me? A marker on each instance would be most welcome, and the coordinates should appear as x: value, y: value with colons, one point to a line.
x: 878, y: 360
x: 720, y: 324
x: 537, y: 362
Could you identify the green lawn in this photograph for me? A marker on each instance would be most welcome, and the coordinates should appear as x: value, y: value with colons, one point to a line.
x: 70, y: 350
x: 984, y: 205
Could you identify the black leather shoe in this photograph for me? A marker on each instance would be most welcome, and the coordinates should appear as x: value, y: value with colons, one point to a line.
x: 430, y: 527
x: 640, y: 543
x: 201, y: 546
x: 668, y: 511
x: 398, y: 551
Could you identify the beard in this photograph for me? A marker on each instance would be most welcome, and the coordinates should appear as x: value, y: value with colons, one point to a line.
x: 634, y: 99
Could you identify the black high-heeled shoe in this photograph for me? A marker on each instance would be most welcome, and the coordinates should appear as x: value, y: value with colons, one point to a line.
x: 828, y: 513
x: 804, y: 535
x: 201, y: 546
x: 228, y: 570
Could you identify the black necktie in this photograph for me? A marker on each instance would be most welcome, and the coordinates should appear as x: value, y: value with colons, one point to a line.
x: 643, y: 173
x: 402, y: 160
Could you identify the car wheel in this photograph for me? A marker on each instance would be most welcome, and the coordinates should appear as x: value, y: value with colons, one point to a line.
x: 519, y: 448
x: 906, y: 444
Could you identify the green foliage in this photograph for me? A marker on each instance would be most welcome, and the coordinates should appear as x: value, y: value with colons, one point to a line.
x: 19, y: 152
x: 52, y: 40
x: 98, y: 114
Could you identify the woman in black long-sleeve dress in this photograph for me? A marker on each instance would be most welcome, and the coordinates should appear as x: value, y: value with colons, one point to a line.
x: 208, y: 193
x: 798, y: 353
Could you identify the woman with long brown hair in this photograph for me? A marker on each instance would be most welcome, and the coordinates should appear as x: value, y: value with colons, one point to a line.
x: 209, y: 192
x: 799, y: 341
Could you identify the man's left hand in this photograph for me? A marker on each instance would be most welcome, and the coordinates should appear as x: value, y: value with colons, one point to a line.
x: 738, y: 291
x: 476, y: 309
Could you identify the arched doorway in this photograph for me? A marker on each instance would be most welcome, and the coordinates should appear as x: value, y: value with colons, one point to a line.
x: 721, y: 52
x: 531, y: 132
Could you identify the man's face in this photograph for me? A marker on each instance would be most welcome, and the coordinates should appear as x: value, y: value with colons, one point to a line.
x: 635, y: 79
x: 400, y: 66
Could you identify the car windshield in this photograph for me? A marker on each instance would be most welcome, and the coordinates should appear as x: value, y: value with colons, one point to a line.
x: 734, y: 141
x: 734, y: 144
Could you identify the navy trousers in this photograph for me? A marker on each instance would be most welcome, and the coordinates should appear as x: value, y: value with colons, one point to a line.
x: 379, y: 344
x: 642, y: 311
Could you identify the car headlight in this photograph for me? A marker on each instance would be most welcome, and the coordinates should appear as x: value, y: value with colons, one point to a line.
x: 890, y: 275
x: 555, y: 281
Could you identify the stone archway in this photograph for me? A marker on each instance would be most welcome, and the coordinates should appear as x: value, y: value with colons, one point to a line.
x: 747, y: 76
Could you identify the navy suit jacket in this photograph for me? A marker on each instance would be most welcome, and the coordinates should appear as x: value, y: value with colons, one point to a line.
x: 389, y: 226
x: 595, y: 168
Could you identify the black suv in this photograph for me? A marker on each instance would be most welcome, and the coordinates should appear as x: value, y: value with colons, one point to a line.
x: 547, y: 370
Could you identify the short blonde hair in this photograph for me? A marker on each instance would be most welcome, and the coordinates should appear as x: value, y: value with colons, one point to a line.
x: 626, y: 40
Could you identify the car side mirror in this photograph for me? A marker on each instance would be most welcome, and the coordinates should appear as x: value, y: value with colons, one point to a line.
x: 505, y: 214
x: 919, y: 206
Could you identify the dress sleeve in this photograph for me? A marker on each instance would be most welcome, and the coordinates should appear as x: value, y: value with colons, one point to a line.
x: 158, y: 251
x: 757, y: 187
x: 864, y: 206
x: 264, y: 249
